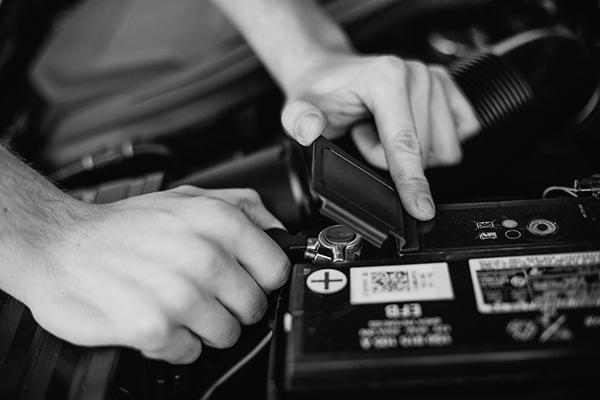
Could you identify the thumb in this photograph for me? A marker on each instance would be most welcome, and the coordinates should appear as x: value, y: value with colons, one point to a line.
x: 303, y: 121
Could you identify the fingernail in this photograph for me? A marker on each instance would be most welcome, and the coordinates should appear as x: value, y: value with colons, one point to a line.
x: 304, y: 126
x: 425, y: 204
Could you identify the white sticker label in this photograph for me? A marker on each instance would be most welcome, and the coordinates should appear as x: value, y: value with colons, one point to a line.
x: 536, y: 282
x: 400, y: 283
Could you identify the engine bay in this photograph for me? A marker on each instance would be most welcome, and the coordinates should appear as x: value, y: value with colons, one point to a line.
x: 531, y: 71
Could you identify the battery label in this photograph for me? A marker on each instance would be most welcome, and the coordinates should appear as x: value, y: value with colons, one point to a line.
x: 536, y: 282
x: 400, y: 283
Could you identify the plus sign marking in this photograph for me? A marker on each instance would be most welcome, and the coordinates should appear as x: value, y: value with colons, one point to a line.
x: 326, y: 281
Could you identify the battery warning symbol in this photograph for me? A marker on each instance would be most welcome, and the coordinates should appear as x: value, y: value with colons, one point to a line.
x: 484, y: 225
x: 487, y: 236
x: 543, y: 329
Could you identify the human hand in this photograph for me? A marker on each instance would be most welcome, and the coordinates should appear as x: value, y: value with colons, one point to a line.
x: 164, y: 273
x: 420, y: 114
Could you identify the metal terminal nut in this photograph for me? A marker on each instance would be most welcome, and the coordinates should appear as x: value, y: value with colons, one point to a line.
x: 336, y: 243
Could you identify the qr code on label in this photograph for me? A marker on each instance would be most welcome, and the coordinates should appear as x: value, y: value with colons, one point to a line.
x: 389, y: 281
x: 397, y: 283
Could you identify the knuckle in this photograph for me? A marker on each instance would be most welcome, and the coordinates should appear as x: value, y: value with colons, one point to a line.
x: 392, y: 67
x: 256, y: 311
x: 191, y: 353
x: 280, y: 275
x: 211, y: 259
x: 412, y: 183
x: 187, y: 188
x: 179, y: 296
x: 214, y: 204
x: 418, y: 68
x: 251, y: 195
x: 448, y: 155
x: 405, y: 141
x: 184, y: 190
x: 221, y: 212
x: 229, y: 337
x: 437, y: 68
x: 453, y: 158
x: 440, y: 73
x: 420, y: 73
x: 250, y: 199
x: 391, y: 62
x: 152, y: 332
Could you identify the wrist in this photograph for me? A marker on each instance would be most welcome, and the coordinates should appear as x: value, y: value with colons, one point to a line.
x: 300, y: 78
x: 291, y: 37
x: 36, y: 217
x: 322, y: 75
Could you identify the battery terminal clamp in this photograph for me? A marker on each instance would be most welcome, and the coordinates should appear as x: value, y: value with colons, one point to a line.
x: 336, y: 243
x: 588, y: 187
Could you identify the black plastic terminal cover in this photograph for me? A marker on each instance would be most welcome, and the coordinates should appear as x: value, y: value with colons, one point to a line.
x: 353, y: 195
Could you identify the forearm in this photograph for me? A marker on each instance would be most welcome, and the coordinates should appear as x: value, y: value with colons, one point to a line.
x: 291, y: 37
x: 32, y: 215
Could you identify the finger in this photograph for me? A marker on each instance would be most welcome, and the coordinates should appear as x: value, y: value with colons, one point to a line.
x: 214, y: 323
x: 463, y: 113
x: 247, y: 303
x: 420, y: 91
x: 182, y: 347
x: 250, y: 203
x: 246, y: 200
x: 257, y: 253
x: 226, y: 224
x: 234, y: 287
x: 189, y: 301
x: 253, y: 248
x: 213, y: 300
x: 396, y: 126
x: 303, y: 121
x: 445, y: 147
x: 232, y: 230
x: 367, y: 142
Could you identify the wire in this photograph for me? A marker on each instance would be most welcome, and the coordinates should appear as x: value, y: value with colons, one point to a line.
x: 236, y: 367
x: 570, y: 191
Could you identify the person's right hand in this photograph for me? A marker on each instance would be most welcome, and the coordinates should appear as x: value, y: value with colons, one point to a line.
x: 403, y: 116
x: 164, y: 273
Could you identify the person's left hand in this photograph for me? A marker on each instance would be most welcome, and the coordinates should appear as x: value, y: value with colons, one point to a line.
x: 420, y: 114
